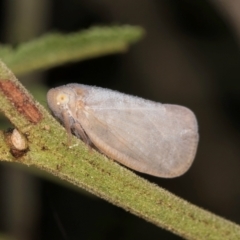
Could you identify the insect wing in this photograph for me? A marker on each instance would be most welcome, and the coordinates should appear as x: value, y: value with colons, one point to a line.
x: 154, y: 138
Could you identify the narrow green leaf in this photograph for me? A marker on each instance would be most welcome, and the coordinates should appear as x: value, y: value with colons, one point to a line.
x: 56, y: 49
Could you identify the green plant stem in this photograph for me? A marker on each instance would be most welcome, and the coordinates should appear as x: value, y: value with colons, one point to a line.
x: 86, y: 168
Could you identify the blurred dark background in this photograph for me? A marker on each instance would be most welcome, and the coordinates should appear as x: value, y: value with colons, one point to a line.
x: 189, y: 56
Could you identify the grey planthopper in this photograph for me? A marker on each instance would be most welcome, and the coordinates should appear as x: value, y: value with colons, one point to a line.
x: 147, y: 136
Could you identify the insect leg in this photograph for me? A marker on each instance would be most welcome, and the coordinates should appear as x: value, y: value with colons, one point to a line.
x: 80, y: 133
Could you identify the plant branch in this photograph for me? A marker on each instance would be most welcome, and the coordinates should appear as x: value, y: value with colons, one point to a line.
x: 88, y: 169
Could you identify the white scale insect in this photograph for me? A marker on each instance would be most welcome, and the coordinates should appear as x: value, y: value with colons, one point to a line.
x: 149, y: 137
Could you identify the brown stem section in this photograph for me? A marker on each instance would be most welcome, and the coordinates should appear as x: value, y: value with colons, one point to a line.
x: 21, y: 101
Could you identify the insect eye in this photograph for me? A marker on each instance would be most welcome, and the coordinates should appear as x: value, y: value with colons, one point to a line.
x: 62, y: 98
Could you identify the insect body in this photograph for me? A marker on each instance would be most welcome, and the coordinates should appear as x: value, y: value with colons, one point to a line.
x: 149, y: 137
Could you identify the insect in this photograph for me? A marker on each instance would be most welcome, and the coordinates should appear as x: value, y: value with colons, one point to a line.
x: 149, y: 137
